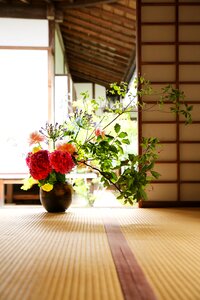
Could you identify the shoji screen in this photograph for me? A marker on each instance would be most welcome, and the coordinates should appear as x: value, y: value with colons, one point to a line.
x: 169, y: 52
x: 24, y: 87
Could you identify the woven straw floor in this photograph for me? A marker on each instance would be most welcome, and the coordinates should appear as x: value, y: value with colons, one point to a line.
x: 166, y: 243
x: 68, y: 256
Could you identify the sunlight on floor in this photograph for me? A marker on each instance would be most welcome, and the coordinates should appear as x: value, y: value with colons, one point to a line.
x: 106, y: 199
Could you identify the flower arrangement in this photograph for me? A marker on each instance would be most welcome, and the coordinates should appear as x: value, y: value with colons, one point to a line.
x: 48, y: 167
x: 84, y: 139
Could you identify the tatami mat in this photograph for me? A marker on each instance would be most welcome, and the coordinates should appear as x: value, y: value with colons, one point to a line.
x: 52, y: 257
x: 68, y: 256
x: 166, y: 243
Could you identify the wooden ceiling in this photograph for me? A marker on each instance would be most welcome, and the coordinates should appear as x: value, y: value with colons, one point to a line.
x: 99, y: 36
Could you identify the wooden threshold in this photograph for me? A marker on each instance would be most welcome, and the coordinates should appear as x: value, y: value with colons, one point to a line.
x: 163, y: 204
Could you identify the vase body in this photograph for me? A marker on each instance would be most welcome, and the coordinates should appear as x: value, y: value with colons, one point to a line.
x: 58, y: 199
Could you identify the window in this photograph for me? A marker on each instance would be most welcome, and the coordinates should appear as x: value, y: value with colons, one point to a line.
x: 24, y: 88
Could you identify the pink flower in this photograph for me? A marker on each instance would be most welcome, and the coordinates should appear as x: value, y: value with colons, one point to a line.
x: 70, y: 148
x: 61, y: 161
x: 39, y: 164
x: 35, y: 137
x: 100, y: 132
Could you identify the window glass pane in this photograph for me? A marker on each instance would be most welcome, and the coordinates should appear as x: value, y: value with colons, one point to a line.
x: 59, y: 56
x: 83, y: 87
x: 23, y: 104
x: 61, y: 98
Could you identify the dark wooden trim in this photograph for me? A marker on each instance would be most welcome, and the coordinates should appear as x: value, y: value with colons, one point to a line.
x: 175, y: 181
x: 173, y: 82
x: 157, y: 23
x: 133, y: 281
x: 171, y: 43
x: 24, y: 196
x: 170, y: 3
x: 189, y: 23
x: 167, y: 204
x: 189, y: 142
x: 23, y: 11
x: 157, y: 4
x: 138, y: 66
x: 158, y: 63
x: 167, y: 122
x: 174, y: 161
x: 177, y: 86
x: 182, y: 63
x: 170, y: 23
x: 82, y: 3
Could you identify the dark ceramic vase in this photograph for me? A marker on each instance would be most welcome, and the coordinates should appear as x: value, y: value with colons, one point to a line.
x: 58, y: 199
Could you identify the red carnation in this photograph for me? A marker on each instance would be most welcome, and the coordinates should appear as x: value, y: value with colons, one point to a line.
x: 61, y: 161
x: 39, y: 164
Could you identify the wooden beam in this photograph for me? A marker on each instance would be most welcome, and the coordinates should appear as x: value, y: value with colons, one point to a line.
x: 94, y: 73
x: 94, y: 40
x: 50, y: 12
x: 125, y: 9
x: 104, y: 65
x: 23, y: 11
x: 81, y: 3
x: 53, y: 14
x: 89, y: 53
x: 92, y: 78
x: 102, y: 22
x: 79, y: 77
x: 30, y: 12
x: 107, y: 15
x: 87, y: 25
x: 96, y: 47
x: 99, y: 38
x: 89, y: 68
x: 25, y: 1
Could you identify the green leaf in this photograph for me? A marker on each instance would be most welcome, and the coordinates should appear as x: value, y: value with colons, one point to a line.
x: 126, y: 141
x: 117, y: 128
x: 122, y: 135
x: 114, y: 176
x: 155, y: 174
x: 131, y: 157
x: 143, y: 195
x: 113, y: 149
